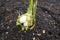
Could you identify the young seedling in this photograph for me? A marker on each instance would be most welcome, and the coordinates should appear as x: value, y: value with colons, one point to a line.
x: 28, y: 20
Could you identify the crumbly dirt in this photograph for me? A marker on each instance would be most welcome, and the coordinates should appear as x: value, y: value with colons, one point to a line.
x: 47, y: 16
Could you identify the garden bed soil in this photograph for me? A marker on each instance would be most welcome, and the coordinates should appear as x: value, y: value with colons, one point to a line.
x: 47, y: 26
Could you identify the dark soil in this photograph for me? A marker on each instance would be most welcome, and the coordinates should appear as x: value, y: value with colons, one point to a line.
x: 47, y: 16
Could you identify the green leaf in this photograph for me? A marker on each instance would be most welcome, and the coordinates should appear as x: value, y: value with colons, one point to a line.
x: 17, y: 22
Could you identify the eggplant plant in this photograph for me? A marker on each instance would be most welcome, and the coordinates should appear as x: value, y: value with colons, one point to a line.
x: 27, y: 21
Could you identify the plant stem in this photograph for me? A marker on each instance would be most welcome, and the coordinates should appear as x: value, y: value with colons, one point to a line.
x: 32, y: 7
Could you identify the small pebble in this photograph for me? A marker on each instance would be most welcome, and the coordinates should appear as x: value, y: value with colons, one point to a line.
x: 43, y: 31
x: 6, y: 32
x: 49, y: 15
x: 46, y: 12
x: 8, y: 27
x: 33, y: 34
x: 54, y: 26
x: 24, y: 31
x: 10, y: 21
x: 39, y: 34
x: 33, y: 38
x: 58, y: 8
x: 51, y: 4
